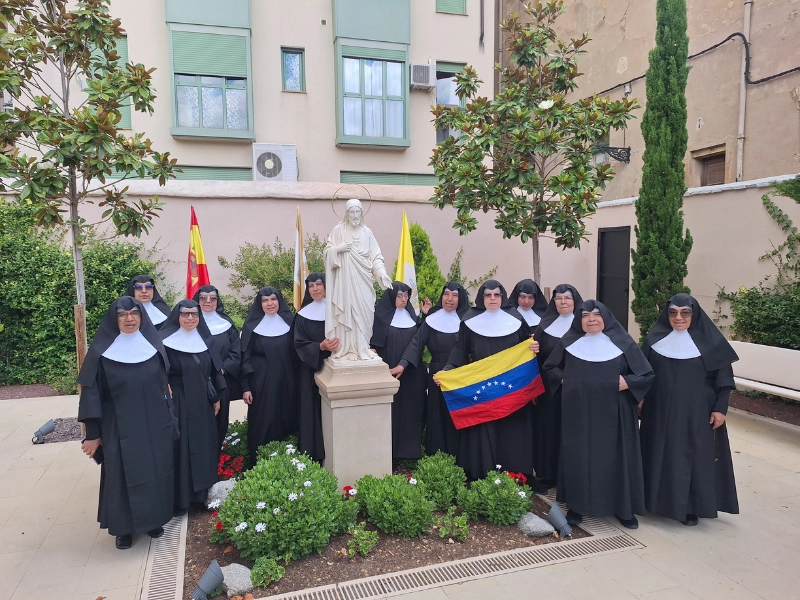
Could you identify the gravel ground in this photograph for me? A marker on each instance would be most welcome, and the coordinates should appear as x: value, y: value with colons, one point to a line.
x: 67, y: 430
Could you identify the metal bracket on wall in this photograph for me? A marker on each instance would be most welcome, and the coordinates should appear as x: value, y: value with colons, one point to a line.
x: 620, y: 154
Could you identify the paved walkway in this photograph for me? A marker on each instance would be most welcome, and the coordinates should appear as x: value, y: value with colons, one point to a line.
x: 52, y: 548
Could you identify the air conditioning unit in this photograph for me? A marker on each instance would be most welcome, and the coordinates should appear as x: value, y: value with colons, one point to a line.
x: 423, y: 76
x: 274, y: 162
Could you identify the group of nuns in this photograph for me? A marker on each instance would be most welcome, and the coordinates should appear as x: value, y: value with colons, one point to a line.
x: 154, y: 424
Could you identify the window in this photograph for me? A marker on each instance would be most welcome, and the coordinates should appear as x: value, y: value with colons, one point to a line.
x: 446, y: 94
x: 125, y: 108
x: 373, y: 98
x: 455, y: 7
x: 211, y: 102
x: 211, y: 78
x: 293, y: 69
x: 713, y: 169
x: 364, y: 177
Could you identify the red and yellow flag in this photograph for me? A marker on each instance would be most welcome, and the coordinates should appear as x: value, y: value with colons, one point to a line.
x: 197, y: 270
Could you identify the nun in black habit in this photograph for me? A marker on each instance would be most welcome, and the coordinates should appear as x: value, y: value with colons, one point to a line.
x: 143, y: 288
x: 529, y: 301
x: 269, y: 370
x: 603, y: 375
x: 227, y: 345
x: 688, y: 471
x: 438, y: 332
x: 395, y: 326
x: 130, y: 423
x: 191, y: 366
x: 492, y: 326
x: 564, y: 305
x: 312, y: 348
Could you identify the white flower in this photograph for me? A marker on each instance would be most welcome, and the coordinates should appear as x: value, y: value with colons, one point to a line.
x: 260, y: 527
x: 498, y: 467
x: 522, y: 494
x: 236, y: 441
x: 241, y: 526
x: 307, y: 483
x: 301, y: 494
x: 300, y: 466
x: 290, y: 445
x: 290, y: 450
x: 294, y: 461
x: 214, y: 504
x: 545, y: 104
x: 273, y: 454
x: 353, y: 492
x: 497, y: 482
x: 292, y: 497
x: 234, y: 434
x: 275, y: 511
x: 412, y: 481
x: 261, y: 505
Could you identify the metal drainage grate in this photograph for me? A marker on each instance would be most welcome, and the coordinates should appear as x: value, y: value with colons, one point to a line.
x: 163, y: 575
x: 605, y: 539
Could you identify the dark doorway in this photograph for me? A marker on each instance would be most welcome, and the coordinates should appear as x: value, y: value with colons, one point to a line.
x: 613, y: 269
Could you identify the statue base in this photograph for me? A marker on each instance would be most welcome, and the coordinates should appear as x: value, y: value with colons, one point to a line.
x: 357, y: 418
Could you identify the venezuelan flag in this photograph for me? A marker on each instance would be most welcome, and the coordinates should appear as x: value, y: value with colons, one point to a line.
x: 491, y: 388
x: 197, y: 269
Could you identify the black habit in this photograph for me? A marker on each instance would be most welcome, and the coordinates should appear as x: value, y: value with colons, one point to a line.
x: 228, y: 348
x: 392, y: 333
x: 309, y: 333
x: 126, y: 405
x: 687, y: 465
x: 269, y: 370
x: 547, y: 412
x: 508, y: 441
x: 439, y: 335
x: 600, y: 473
x: 191, y: 365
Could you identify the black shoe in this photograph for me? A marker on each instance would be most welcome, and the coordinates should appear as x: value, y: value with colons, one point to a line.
x: 631, y: 523
x: 178, y: 512
x: 124, y: 542
x: 537, y: 487
x: 574, y: 518
x: 691, y: 520
x: 156, y: 533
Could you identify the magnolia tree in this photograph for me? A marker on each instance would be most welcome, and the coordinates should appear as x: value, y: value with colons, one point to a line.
x: 527, y: 155
x: 60, y: 139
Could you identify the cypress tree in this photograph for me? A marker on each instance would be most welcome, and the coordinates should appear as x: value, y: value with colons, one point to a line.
x: 659, y: 260
x: 430, y: 280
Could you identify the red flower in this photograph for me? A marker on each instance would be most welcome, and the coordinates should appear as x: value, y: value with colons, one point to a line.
x: 220, y: 526
x: 228, y: 473
x: 214, y: 514
x: 224, y: 457
x: 522, y: 478
x: 408, y: 477
x: 346, y: 489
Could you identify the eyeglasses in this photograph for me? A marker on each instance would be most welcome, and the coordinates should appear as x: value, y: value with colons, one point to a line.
x: 124, y: 314
x: 402, y: 294
x: 207, y: 298
x: 492, y: 295
x: 189, y: 315
x: 143, y: 286
x: 685, y: 313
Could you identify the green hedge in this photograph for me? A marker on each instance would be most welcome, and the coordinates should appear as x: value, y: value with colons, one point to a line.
x: 769, y: 316
x: 38, y: 294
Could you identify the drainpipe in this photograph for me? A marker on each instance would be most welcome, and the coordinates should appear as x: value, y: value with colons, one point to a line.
x: 740, y: 137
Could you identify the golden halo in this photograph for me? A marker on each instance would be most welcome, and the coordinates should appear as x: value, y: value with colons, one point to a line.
x: 344, y: 186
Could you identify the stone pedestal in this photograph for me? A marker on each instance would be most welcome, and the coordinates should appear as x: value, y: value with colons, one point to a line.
x: 357, y: 418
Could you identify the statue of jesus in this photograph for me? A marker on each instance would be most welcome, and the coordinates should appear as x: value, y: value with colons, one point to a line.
x: 352, y: 262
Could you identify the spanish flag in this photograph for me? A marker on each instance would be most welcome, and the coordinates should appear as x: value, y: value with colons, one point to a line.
x: 300, y: 264
x: 405, y: 264
x: 197, y: 270
x: 491, y: 388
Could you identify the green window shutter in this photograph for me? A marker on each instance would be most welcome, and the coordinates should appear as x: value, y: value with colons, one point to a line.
x: 218, y: 173
x: 375, y: 53
x: 209, y: 54
x: 387, y: 178
x: 450, y: 67
x: 125, y: 109
x: 456, y: 7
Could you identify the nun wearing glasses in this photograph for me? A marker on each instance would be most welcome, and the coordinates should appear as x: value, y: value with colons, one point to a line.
x: 192, y: 366
x: 130, y: 423
x: 226, y: 344
x: 143, y: 288
x: 688, y: 471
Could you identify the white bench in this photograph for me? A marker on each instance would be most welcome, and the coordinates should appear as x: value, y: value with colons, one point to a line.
x: 767, y: 369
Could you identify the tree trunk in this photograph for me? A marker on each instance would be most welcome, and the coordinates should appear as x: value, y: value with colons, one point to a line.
x: 76, y: 238
x: 537, y: 260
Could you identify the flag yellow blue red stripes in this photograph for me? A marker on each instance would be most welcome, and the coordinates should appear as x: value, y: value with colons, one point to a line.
x: 491, y: 388
x: 197, y: 269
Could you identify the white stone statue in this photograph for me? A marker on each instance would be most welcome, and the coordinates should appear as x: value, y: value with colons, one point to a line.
x: 352, y: 262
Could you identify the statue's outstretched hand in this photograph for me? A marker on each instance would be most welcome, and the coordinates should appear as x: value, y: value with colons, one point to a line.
x: 385, y: 282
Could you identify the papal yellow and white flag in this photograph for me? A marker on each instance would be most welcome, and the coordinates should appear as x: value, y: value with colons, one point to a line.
x: 405, y: 264
x: 300, y: 265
